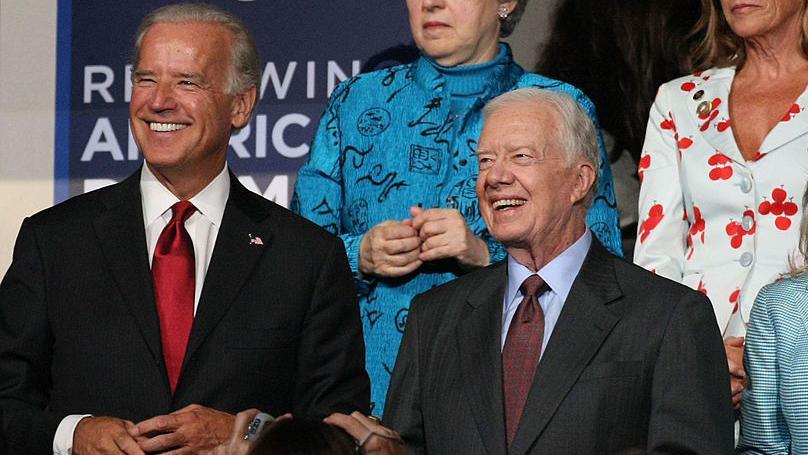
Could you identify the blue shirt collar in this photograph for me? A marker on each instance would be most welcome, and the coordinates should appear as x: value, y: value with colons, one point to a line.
x: 559, y: 273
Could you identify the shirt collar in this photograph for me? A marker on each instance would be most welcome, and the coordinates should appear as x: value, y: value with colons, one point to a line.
x: 559, y: 273
x: 210, y: 202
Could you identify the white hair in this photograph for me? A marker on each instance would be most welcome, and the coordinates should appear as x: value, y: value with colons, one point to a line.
x: 574, y: 131
x: 245, y: 68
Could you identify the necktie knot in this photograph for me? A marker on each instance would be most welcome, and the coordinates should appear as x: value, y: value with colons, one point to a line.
x: 532, y: 286
x: 181, y: 211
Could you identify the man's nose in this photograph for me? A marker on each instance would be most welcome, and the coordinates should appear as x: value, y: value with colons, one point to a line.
x: 499, y: 173
x: 162, y: 98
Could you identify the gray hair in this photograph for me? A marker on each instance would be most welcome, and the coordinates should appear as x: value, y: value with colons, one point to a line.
x: 575, y: 132
x: 245, y: 68
x: 508, y: 24
x: 798, y: 262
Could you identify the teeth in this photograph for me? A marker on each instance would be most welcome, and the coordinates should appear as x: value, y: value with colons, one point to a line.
x: 502, y: 203
x: 162, y: 127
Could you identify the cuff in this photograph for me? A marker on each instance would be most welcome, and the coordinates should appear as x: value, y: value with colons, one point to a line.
x: 63, y: 439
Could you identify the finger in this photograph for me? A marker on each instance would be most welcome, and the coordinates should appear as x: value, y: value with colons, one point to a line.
x: 432, y: 228
x: 159, y: 423
x: 395, y: 272
x: 179, y: 451
x: 373, y: 426
x: 434, y: 254
x: 399, y: 246
x: 415, y: 211
x: 430, y: 215
x: 399, y: 260
x: 350, y: 424
x: 163, y: 442
x: 127, y: 445
x: 397, y: 231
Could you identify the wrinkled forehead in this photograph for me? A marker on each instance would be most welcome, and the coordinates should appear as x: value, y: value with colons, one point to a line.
x: 518, y: 124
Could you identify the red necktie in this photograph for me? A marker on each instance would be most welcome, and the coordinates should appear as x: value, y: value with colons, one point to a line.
x: 173, y: 274
x: 521, y: 353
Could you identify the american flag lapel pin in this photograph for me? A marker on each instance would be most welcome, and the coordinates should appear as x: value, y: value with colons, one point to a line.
x: 255, y: 240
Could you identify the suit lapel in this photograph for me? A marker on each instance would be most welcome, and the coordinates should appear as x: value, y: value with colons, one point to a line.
x: 121, y: 233
x: 478, y: 343
x: 715, y: 89
x: 242, y: 239
x: 583, y: 325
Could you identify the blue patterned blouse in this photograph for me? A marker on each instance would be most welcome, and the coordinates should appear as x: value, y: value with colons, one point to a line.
x: 405, y: 136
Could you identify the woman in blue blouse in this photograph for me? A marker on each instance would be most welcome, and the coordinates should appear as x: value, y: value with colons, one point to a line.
x: 774, y: 411
x: 392, y: 168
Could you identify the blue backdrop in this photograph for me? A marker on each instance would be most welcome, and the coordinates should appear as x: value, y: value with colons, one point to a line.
x: 306, y: 48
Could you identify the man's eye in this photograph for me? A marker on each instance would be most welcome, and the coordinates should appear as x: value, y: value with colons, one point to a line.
x: 187, y: 83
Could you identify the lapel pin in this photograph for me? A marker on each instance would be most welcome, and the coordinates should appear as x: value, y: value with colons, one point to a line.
x: 704, y: 108
x: 255, y: 240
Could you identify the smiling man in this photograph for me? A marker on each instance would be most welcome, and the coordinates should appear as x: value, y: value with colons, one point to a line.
x: 562, y: 348
x: 138, y: 318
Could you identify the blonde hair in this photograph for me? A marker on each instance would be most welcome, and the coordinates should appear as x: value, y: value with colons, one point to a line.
x: 719, y: 46
x: 798, y: 262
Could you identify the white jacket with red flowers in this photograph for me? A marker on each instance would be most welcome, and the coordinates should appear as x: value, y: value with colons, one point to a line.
x: 709, y: 218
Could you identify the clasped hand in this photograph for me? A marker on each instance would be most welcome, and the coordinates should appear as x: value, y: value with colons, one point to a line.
x: 192, y: 429
x: 397, y: 248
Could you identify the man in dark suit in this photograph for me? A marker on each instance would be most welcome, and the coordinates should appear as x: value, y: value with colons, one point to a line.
x: 563, y: 348
x: 137, y: 318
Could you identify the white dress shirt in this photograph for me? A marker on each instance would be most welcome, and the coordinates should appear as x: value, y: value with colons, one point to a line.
x: 559, y: 275
x: 203, y: 227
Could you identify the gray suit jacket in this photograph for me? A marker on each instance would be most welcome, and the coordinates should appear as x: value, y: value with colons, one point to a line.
x: 635, y: 361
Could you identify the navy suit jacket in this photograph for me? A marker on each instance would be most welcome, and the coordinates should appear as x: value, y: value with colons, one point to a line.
x: 277, y: 326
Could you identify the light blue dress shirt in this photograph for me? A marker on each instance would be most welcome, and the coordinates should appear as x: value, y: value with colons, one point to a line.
x: 558, y: 274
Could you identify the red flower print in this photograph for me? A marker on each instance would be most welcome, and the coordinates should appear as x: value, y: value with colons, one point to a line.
x: 781, y: 208
x: 655, y: 215
x: 688, y: 86
x: 701, y: 287
x: 710, y: 115
x: 735, y: 230
x: 696, y: 228
x: 792, y: 111
x: 721, y: 169
x: 733, y: 300
x: 645, y: 163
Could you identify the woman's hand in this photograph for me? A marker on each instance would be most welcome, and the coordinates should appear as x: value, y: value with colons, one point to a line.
x: 445, y: 234
x: 390, y: 249
x: 734, y: 348
x: 370, y: 436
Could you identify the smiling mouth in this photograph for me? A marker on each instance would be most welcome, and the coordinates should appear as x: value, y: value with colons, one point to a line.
x: 166, y: 127
x: 504, y: 204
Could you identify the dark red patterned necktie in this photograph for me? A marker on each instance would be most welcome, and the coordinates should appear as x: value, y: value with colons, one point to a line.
x: 521, y: 353
x: 173, y: 274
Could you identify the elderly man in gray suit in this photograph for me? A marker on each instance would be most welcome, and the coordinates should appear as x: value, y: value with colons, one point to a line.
x: 562, y: 348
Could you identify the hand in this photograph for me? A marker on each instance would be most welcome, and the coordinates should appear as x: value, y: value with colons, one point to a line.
x: 236, y: 445
x: 390, y: 249
x: 191, y: 429
x: 104, y: 435
x: 371, y: 438
x: 734, y: 348
x: 444, y: 234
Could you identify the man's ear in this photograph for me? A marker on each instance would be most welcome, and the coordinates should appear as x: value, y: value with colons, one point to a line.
x: 583, y: 181
x: 243, y: 106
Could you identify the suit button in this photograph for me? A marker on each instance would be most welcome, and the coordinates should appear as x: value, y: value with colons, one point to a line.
x: 747, y: 223
x: 746, y: 259
x: 746, y: 184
